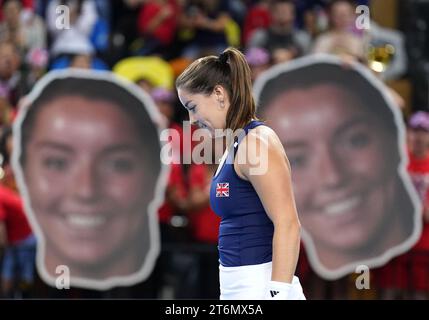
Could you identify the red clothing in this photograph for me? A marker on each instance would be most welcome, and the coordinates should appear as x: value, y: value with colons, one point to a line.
x: 177, y: 145
x: 176, y: 178
x: 394, y: 275
x: 204, y: 222
x: 410, y: 270
x: 167, y: 28
x: 177, y: 181
x: 12, y: 213
x: 257, y: 18
x: 419, y: 173
x: 418, y: 270
x: 303, y: 267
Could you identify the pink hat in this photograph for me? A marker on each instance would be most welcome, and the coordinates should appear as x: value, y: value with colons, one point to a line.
x: 257, y: 56
x: 37, y: 57
x: 161, y: 94
x: 419, y: 120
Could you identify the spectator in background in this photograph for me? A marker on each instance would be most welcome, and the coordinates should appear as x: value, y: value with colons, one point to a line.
x: 418, y: 168
x: 87, y: 36
x: 76, y: 39
x: 24, y: 28
x: 7, y: 179
x: 258, y: 17
x: 342, y: 38
x: 207, y: 19
x: 303, y: 6
x: 258, y: 60
x: 172, y: 213
x: 29, y: 7
x: 13, y: 83
x: 177, y: 190
x: 204, y: 222
x: 3, y: 235
x: 281, y: 39
x: 164, y: 99
x: 237, y: 10
x: 37, y: 63
x: 204, y: 226
x: 315, y: 20
x: 123, y: 24
x: 17, y: 275
x: 104, y: 9
x: 175, y: 204
x: 352, y: 45
x: 406, y: 276
x: 157, y: 23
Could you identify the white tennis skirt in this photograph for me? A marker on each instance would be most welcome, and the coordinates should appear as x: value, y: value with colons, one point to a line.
x: 250, y: 282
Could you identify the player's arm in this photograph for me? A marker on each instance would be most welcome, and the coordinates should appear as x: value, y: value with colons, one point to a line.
x: 274, y: 187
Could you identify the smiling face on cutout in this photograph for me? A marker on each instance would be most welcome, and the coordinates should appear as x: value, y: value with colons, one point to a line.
x: 338, y: 152
x: 85, y: 176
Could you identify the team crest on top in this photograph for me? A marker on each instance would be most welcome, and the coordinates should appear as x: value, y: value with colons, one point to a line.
x: 222, y: 190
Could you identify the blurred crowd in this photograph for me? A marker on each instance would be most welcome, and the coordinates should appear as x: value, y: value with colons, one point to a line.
x: 150, y: 42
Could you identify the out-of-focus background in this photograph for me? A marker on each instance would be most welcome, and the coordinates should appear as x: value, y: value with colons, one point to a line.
x: 150, y: 43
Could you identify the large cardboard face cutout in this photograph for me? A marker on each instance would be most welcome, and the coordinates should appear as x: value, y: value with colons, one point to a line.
x: 88, y: 166
x: 345, y: 140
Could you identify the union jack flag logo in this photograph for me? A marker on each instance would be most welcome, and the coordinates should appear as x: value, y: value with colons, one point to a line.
x: 222, y: 190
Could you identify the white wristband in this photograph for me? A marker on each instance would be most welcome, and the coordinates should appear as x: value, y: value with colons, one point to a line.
x: 278, y: 290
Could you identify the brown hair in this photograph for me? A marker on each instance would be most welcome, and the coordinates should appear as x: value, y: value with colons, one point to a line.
x: 231, y: 71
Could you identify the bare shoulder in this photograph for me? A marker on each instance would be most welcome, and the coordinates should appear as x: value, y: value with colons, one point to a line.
x: 263, y: 136
x: 261, y: 144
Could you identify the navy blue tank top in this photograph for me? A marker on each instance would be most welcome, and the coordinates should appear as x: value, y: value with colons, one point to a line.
x: 246, y: 232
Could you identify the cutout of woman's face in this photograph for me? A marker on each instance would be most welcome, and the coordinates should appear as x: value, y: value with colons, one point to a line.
x: 85, y: 176
x: 339, y: 155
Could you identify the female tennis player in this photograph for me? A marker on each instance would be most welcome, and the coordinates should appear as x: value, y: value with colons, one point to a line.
x: 259, y: 233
